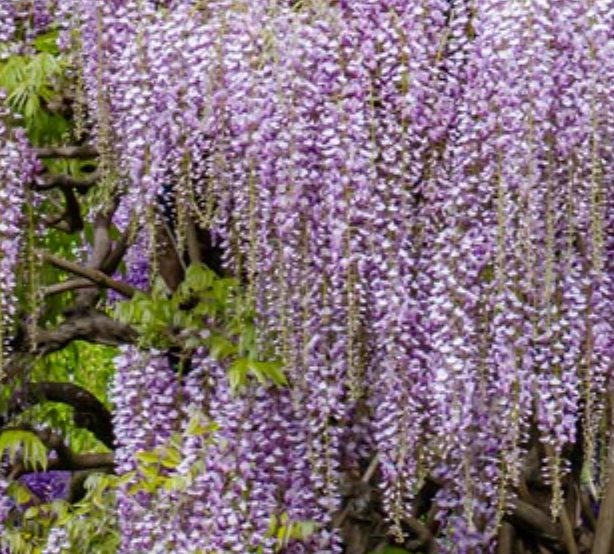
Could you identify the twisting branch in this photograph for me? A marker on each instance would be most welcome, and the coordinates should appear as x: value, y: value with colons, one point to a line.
x: 89, y: 412
x: 368, y: 475
x: 72, y: 214
x: 94, y: 275
x: 68, y: 460
x: 83, y: 152
x: 101, y: 248
x: 102, y: 239
x: 605, y: 523
x: 532, y: 521
x: 568, y: 533
x: 67, y: 286
x: 65, y: 182
x: 426, y: 541
x: 505, y: 539
x: 89, y: 325
x: 115, y: 256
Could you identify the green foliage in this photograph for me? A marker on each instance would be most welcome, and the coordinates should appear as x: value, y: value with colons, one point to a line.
x: 25, y: 446
x: 19, y: 493
x: 82, y: 363
x: 206, y: 311
x: 29, y: 535
x: 156, y: 474
x: 31, y: 82
x: 285, y: 530
x: 156, y: 468
x: 87, y: 365
x: 90, y: 526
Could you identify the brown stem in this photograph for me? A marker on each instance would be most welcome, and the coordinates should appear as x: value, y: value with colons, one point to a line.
x: 50, y: 181
x: 605, y: 522
x: 67, y: 286
x: 587, y: 511
x: 101, y: 247
x: 93, y: 275
x: 341, y: 516
x: 426, y: 541
x: 68, y: 460
x: 193, y: 242
x: 102, y: 240
x: 532, y: 521
x: 89, y: 412
x: 506, y: 539
x: 568, y: 534
x: 72, y: 213
x: 92, y: 326
x: 85, y: 151
x: 114, y: 258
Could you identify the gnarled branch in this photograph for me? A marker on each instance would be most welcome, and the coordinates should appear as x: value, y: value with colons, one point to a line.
x: 89, y: 325
x: 94, y: 275
x: 89, y: 412
x: 531, y: 520
x: 65, y: 182
x: 605, y: 523
x: 84, y: 152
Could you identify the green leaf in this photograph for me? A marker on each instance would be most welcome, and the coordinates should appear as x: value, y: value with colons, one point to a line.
x: 31, y: 512
x: 171, y: 458
x: 199, y: 277
x: 220, y: 347
x: 12, y: 72
x: 159, y: 289
x: 20, y: 493
x: 25, y: 443
x: 286, y: 530
x: 177, y: 482
x: 16, y: 541
x: 47, y: 42
x: 274, y: 371
x: 32, y: 106
x: 223, y: 289
x: 256, y: 369
x: 247, y: 338
x: 148, y: 457
x: 237, y: 373
x: 199, y: 426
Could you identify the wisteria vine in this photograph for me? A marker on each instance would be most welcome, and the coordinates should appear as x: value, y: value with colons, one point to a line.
x: 417, y: 197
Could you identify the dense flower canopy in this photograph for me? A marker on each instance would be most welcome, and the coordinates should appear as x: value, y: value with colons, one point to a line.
x: 417, y: 198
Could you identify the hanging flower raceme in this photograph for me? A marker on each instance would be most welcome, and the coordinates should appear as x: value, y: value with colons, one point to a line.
x: 416, y: 197
x: 18, y: 167
x: 7, y: 20
x: 145, y: 394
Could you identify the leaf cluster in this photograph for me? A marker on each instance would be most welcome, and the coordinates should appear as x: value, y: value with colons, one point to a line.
x: 206, y: 311
x: 23, y: 446
x: 89, y: 526
x: 32, y: 82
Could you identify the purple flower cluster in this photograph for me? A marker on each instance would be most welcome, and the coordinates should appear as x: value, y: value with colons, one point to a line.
x: 5, y: 502
x: 58, y: 541
x: 7, y: 21
x: 18, y: 167
x: 246, y: 468
x: 48, y: 486
x: 147, y: 411
x: 419, y: 197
